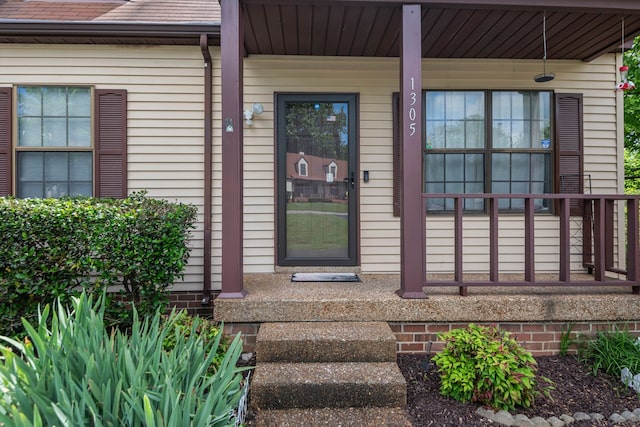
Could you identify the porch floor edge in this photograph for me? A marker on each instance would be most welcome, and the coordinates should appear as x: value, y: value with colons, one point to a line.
x: 273, y: 298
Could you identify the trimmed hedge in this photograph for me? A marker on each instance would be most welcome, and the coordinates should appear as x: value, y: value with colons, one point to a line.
x: 54, y: 248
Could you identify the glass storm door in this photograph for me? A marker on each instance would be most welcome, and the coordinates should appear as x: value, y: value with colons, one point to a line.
x: 317, y: 179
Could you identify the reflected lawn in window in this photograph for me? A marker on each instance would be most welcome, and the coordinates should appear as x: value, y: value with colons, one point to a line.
x: 318, y: 207
x: 317, y: 227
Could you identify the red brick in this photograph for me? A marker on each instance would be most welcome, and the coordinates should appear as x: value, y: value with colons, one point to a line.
x: 533, y: 327
x: 414, y: 328
x: 432, y: 337
x: 511, y: 327
x: 552, y: 345
x: 437, y: 347
x: 458, y: 326
x: 395, y: 327
x: 411, y: 348
x: 404, y: 337
x: 438, y: 328
x: 422, y: 338
x: 522, y: 337
x: 532, y: 346
x: 543, y: 337
x: 578, y: 327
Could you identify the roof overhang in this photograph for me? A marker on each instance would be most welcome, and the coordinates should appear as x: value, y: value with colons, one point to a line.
x: 505, y: 29
x: 119, y: 33
x: 509, y: 29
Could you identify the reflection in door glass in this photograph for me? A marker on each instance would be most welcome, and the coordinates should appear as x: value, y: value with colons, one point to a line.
x: 317, y: 180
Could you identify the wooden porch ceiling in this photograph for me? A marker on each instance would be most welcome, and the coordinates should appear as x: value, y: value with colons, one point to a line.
x: 463, y: 29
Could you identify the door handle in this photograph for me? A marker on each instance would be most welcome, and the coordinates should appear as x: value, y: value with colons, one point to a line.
x: 352, y: 180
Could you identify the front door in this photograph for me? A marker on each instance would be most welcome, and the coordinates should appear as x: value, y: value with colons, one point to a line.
x: 317, y: 179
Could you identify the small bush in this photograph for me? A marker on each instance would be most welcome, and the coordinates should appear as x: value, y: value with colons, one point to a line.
x: 485, y: 365
x: 611, y: 351
x: 207, y: 330
x: 54, y: 248
x: 70, y: 372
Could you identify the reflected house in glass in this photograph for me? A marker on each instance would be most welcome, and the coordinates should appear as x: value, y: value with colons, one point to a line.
x: 313, y: 178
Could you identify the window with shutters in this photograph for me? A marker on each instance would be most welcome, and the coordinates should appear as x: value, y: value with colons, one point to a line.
x: 67, y: 141
x: 488, y: 142
x: 54, y: 148
x: 562, y: 163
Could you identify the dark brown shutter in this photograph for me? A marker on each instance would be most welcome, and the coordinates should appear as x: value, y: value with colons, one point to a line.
x: 5, y: 141
x: 569, y: 147
x: 397, y: 150
x: 111, y: 143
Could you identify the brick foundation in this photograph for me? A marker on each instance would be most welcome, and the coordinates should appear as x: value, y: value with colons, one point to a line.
x: 249, y: 333
x: 192, y: 302
x: 541, y: 339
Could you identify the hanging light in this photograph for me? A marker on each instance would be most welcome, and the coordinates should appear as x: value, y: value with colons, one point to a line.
x: 624, y: 84
x: 544, y: 77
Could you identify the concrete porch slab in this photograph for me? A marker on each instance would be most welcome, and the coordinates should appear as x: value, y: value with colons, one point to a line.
x: 274, y: 298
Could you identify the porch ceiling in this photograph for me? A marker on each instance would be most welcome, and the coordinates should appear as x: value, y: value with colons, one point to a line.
x: 462, y: 29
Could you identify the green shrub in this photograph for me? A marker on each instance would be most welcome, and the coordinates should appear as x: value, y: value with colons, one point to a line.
x: 206, y: 329
x: 71, y: 372
x: 45, y: 255
x: 53, y: 248
x: 486, y: 365
x: 611, y: 351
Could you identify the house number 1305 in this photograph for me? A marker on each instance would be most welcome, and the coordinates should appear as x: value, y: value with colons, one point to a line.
x: 412, y: 110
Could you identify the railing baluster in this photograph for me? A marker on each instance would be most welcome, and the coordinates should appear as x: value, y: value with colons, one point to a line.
x: 529, y: 241
x: 633, y: 250
x: 608, y: 234
x: 565, y: 240
x: 587, y: 234
x: 598, y: 239
x: 493, y: 240
x: 457, y: 212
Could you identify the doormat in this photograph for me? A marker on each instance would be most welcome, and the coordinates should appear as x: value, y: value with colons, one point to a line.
x: 325, y: 277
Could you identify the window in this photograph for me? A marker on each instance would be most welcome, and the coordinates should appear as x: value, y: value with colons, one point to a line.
x: 302, y: 167
x: 487, y: 142
x: 54, y: 150
x: 68, y: 141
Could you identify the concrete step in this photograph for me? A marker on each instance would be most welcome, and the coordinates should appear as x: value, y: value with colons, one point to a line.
x: 344, y: 417
x: 307, y: 342
x: 327, y: 385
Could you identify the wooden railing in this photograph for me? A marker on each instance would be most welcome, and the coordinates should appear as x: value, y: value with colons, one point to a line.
x: 599, y: 235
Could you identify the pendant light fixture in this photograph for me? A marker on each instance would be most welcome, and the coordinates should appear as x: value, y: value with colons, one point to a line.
x: 544, y: 77
x: 624, y: 84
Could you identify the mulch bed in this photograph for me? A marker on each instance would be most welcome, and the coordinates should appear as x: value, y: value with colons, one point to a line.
x: 576, y: 390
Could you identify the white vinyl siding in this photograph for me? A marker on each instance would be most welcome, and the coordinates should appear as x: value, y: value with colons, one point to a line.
x: 375, y: 80
x: 165, y: 138
x: 165, y: 117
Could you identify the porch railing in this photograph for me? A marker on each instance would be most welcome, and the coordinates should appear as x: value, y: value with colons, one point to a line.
x: 601, y: 226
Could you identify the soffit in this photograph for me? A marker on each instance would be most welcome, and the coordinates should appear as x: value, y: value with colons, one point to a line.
x: 510, y: 31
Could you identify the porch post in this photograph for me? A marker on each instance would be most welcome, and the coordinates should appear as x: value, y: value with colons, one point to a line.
x: 231, y: 52
x: 412, y: 251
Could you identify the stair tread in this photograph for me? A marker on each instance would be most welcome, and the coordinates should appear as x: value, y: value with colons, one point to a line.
x: 332, y: 372
x: 326, y: 342
x: 285, y: 331
x: 345, y: 417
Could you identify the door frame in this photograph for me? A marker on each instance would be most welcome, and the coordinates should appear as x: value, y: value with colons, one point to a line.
x: 353, y: 258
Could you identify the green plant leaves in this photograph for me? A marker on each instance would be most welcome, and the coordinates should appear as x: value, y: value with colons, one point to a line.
x: 611, y: 351
x: 70, y: 371
x: 52, y: 248
x: 488, y: 366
